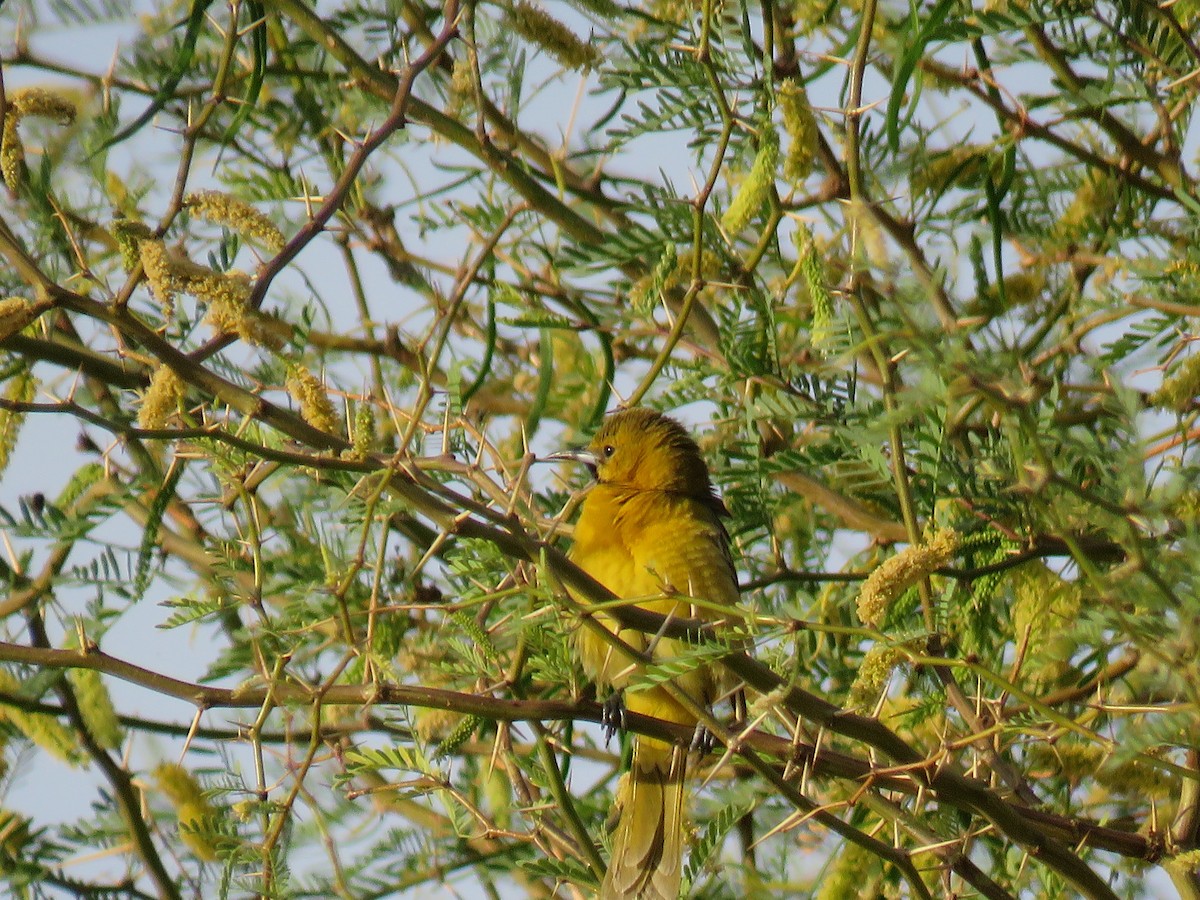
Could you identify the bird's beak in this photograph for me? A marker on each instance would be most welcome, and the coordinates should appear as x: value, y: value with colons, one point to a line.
x: 575, y: 455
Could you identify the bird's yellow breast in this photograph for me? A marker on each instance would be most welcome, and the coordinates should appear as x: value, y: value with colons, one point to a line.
x: 643, y: 545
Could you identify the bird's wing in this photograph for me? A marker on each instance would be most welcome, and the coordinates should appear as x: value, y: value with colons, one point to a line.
x: 684, y: 549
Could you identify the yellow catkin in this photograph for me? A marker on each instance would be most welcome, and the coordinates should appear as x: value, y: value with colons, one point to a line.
x: 1093, y: 203
x: 42, y: 729
x: 1136, y: 778
x: 178, y: 784
x: 230, y: 290
x: 227, y: 294
x: 461, y: 90
x: 96, y: 708
x: 21, y: 388
x: 1077, y: 761
x: 228, y: 297
x: 1179, y: 390
x: 309, y: 392
x: 961, y: 165
x: 364, y: 430
x: 224, y: 317
x: 1024, y: 287
x: 801, y: 126
x: 162, y: 399
x: 851, y: 875
x: 813, y: 271
x: 42, y: 103
x: 1043, y: 605
x: 539, y: 27
x: 236, y: 215
x: 873, y: 674
x: 15, y: 314
x: 231, y: 317
x: 755, y: 189
x: 208, y: 285
x: 24, y: 103
x: 129, y: 234
x: 895, y: 575
x: 12, y: 155
x: 191, y: 807
x: 156, y: 265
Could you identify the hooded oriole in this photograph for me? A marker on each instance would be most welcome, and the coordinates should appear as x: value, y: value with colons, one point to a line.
x: 650, y: 530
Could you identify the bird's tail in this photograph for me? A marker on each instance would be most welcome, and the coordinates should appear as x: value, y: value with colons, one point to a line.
x: 647, y: 855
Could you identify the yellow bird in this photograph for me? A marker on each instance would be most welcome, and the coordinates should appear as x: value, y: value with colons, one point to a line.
x: 650, y: 530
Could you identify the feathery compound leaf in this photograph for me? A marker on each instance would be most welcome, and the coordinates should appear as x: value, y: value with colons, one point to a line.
x: 158, y: 507
x: 166, y: 90
x: 712, y: 838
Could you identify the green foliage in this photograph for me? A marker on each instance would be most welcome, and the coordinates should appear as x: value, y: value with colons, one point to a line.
x: 711, y: 840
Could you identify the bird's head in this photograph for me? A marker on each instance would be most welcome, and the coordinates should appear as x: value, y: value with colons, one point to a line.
x: 645, y: 450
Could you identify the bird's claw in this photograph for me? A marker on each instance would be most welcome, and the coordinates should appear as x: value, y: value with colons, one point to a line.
x: 612, y: 716
x: 702, y: 741
x: 740, y: 713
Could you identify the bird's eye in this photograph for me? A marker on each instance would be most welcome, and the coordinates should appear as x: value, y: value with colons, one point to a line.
x: 609, y: 450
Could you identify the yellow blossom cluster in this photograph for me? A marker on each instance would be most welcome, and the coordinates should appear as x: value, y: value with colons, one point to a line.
x: 1178, y: 392
x: 756, y: 188
x: 536, y: 25
x: 873, y: 673
x: 895, y: 575
x: 162, y: 399
x: 812, y: 268
x: 129, y: 234
x: 95, y: 704
x: 236, y: 215
x: 191, y: 807
x: 20, y: 388
x: 315, y: 408
x: 45, y: 730
x: 15, y: 314
x: 227, y: 294
x: 801, y: 127
x: 28, y: 102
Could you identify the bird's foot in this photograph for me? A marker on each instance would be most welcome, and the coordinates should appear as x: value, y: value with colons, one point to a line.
x: 612, y: 716
x: 702, y: 741
x: 740, y: 713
